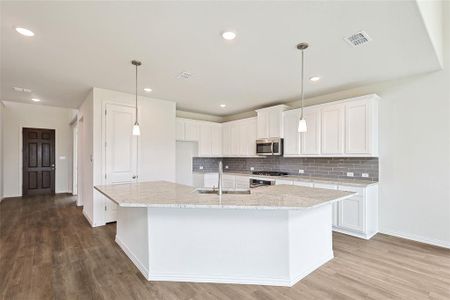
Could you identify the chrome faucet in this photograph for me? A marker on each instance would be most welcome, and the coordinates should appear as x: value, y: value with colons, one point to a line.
x: 220, y: 177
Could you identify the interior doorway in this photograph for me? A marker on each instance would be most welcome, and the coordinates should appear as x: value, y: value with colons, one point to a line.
x: 38, y: 161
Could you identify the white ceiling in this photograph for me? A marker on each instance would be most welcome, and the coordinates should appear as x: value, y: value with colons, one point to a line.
x: 79, y: 45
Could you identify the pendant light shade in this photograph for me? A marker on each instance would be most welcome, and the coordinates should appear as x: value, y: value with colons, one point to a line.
x: 136, y: 128
x: 302, y: 123
x: 302, y: 126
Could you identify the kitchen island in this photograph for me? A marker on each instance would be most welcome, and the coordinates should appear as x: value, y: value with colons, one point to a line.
x: 274, y: 236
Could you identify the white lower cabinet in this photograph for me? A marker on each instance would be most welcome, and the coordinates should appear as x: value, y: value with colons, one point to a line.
x: 335, y: 207
x: 228, y: 182
x: 211, y: 180
x: 242, y: 182
x: 283, y: 181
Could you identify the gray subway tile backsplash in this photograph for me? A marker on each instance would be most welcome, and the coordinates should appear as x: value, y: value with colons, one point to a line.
x: 332, y: 167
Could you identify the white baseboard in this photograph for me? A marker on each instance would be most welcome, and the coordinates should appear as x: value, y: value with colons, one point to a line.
x: 89, y: 219
x: 134, y: 259
x: 219, y: 279
x: 311, y: 269
x: 417, y: 238
x: 356, y: 234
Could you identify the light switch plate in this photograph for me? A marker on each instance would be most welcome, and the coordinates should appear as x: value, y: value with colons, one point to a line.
x: 350, y: 174
x: 201, y: 167
x: 365, y: 175
x: 300, y: 171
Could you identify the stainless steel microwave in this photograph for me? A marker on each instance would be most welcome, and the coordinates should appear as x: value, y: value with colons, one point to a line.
x: 270, y: 146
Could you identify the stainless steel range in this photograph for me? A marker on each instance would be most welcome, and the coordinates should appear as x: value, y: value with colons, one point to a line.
x: 256, y: 182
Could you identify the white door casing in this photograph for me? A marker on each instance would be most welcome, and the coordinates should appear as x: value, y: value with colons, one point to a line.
x: 120, y: 150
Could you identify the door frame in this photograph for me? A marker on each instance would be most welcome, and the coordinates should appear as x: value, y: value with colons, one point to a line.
x: 20, y: 135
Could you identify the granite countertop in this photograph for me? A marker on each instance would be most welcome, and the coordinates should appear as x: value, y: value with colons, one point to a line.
x: 173, y: 195
x: 342, y: 181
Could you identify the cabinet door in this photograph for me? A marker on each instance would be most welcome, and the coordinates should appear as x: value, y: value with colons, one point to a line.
x: 357, y: 127
x: 310, y: 140
x: 275, y: 123
x: 251, y: 137
x: 335, y: 205
x: 332, y: 119
x: 263, y: 124
x: 235, y: 139
x: 216, y: 140
x: 205, y: 141
x: 211, y: 180
x: 242, y: 182
x: 291, y: 135
x: 191, y: 131
x: 226, y: 140
x: 228, y: 182
x: 243, y: 139
x: 180, y: 130
x: 351, y: 210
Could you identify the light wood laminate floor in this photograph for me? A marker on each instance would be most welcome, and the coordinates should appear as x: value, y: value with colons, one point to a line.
x: 49, y: 251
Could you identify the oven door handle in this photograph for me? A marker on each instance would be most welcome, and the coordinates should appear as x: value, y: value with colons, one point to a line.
x: 273, y: 146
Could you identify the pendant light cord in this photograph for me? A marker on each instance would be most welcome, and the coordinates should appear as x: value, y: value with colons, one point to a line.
x: 136, y: 94
x: 303, y: 67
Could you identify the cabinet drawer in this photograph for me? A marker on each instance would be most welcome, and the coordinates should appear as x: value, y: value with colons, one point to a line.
x: 283, y: 181
x: 325, y: 186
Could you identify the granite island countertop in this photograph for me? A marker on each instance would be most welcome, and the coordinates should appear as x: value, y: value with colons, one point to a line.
x: 163, y: 194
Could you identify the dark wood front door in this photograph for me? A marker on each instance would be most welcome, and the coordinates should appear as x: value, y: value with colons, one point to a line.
x: 38, y: 161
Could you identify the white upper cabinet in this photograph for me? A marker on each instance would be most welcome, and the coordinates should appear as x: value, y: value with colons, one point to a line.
x: 346, y: 128
x: 270, y: 122
x: 239, y: 138
x: 291, y: 135
x: 187, y: 130
x: 332, y: 129
x: 210, y: 142
x: 361, y: 127
x: 310, y: 140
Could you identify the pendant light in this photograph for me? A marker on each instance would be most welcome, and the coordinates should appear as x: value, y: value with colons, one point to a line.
x: 136, y: 129
x: 302, y: 123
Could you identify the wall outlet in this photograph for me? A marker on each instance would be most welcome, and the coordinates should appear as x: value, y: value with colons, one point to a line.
x: 201, y: 167
x: 226, y: 167
x: 300, y: 171
x: 252, y: 169
x: 350, y: 174
x: 365, y: 175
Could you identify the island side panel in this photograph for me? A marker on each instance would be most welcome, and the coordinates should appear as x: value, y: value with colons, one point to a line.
x: 310, y: 240
x: 246, y: 246
x: 132, y: 235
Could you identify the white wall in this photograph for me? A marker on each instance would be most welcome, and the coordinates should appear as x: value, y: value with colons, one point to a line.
x: 156, y: 144
x: 1, y: 150
x: 19, y: 115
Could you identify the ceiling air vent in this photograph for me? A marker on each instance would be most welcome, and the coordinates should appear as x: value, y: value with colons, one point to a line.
x: 184, y: 75
x: 358, y: 39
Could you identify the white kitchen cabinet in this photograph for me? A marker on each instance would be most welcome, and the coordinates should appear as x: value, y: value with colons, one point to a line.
x: 210, y: 141
x: 291, y: 134
x: 358, y: 215
x: 242, y: 182
x: 305, y: 143
x: 191, y: 130
x: 228, y: 182
x: 270, y: 122
x: 310, y: 140
x: 361, y: 127
x: 332, y: 133
x: 211, y: 180
x: 239, y: 138
x: 180, y: 129
x: 335, y: 205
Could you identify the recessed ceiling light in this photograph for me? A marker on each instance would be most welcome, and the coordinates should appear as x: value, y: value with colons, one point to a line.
x: 229, y: 35
x: 36, y: 99
x: 147, y: 90
x: 223, y: 105
x: 24, y: 31
x: 314, y: 78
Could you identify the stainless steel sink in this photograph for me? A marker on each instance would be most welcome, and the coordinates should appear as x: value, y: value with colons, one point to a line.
x: 229, y: 192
